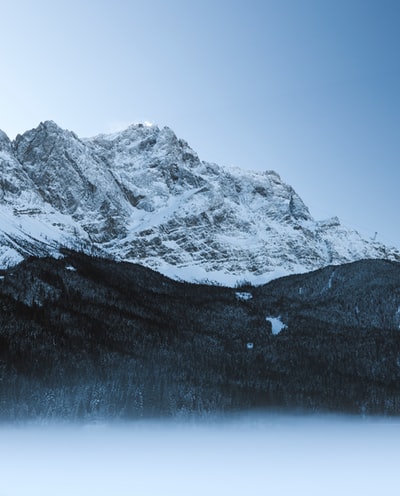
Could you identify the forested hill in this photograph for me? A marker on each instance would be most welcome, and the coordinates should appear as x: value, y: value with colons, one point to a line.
x: 83, y: 337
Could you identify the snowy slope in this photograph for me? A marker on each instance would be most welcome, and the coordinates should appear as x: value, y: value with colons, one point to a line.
x: 143, y: 195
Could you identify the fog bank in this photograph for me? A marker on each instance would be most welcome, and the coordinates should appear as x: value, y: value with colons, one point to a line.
x: 255, y: 455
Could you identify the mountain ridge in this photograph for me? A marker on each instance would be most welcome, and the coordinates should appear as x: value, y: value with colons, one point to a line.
x: 143, y: 195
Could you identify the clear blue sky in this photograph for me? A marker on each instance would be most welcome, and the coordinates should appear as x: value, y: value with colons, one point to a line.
x: 309, y: 88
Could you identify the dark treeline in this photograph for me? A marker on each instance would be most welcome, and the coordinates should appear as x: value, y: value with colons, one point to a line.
x: 83, y: 337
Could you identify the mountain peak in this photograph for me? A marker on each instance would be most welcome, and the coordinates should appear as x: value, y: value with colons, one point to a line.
x: 5, y: 142
x: 45, y: 131
x: 143, y: 195
x: 49, y: 125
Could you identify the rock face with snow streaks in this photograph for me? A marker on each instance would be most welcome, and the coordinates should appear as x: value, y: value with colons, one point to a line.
x: 143, y: 195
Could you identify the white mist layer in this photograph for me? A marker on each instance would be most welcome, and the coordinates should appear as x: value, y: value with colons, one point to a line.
x: 255, y: 456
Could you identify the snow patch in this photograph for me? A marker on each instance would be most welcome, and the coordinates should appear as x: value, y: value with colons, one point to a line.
x: 199, y: 275
x: 243, y: 296
x: 277, y: 324
x: 330, y: 280
x: 9, y: 257
x: 397, y: 317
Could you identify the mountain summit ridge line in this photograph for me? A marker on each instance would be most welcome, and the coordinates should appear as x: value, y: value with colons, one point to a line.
x: 143, y: 195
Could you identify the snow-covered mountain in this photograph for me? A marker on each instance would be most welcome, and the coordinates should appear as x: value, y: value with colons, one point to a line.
x: 144, y: 196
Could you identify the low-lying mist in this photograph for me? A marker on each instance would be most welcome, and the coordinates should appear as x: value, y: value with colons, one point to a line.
x: 264, y: 454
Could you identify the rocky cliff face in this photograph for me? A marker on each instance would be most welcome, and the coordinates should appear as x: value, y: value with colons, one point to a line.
x: 143, y: 195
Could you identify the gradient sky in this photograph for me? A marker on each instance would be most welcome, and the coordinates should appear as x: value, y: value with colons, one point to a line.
x: 309, y: 88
